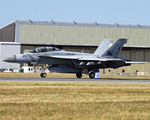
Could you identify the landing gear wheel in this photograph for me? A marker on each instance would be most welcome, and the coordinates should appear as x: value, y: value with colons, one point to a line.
x: 78, y: 75
x: 92, y: 75
x: 43, y: 75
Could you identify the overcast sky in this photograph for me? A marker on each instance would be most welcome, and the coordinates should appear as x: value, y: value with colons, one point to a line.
x: 83, y: 11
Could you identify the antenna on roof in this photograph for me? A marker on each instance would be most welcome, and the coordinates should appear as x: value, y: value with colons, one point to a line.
x: 74, y: 22
x: 30, y: 21
x: 53, y: 21
x: 117, y: 24
x: 139, y: 25
x: 96, y: 23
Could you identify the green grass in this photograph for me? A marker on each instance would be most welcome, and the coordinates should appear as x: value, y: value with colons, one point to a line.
x: 74, y: 101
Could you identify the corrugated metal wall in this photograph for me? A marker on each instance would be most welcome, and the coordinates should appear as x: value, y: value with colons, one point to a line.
x: 7, y: 33
x: 81, y: 35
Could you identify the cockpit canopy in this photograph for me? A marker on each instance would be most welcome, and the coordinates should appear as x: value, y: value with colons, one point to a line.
x: 44, y: 49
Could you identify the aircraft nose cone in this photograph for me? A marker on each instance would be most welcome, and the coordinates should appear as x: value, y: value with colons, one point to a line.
x: 10, y: 59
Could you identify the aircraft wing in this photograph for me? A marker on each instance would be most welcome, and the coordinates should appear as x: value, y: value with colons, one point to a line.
x: 82, y: 58
x: 62, y: 57
x: 98, y: 59
x: 134, y: 62
x: 87, y: 58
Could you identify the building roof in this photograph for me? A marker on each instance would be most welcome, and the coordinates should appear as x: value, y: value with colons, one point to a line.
x: 73, y: 33
x: 74, y: 23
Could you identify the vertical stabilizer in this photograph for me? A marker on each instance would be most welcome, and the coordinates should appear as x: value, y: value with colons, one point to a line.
x: 105, y: 44
x: 115, y: 49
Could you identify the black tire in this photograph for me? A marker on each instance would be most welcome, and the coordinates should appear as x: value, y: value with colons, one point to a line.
x: 92, y: 75
x: 43, y: 75
x: 78, y: 75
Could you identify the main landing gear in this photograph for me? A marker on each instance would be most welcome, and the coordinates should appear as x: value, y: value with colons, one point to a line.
x: 78, y: 75
x: 91, y: 75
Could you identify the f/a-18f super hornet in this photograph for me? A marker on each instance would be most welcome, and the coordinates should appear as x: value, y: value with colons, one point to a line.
x: 75, y: 62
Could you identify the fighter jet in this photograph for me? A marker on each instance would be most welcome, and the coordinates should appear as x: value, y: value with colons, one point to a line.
x: 75, y: 62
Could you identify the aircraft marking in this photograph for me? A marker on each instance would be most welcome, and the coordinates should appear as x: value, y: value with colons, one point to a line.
x: 70, y: 53
x: 31, y: 58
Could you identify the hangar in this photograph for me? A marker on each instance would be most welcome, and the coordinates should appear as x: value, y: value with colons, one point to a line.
x: 75, y: 36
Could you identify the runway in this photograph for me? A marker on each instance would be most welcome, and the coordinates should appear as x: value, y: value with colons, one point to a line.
x: 27, y: 79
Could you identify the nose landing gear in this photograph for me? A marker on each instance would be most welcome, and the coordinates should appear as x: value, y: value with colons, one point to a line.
x: 43, y: 74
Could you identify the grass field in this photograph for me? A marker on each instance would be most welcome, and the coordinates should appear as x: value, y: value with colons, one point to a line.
x: 74, y: 101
